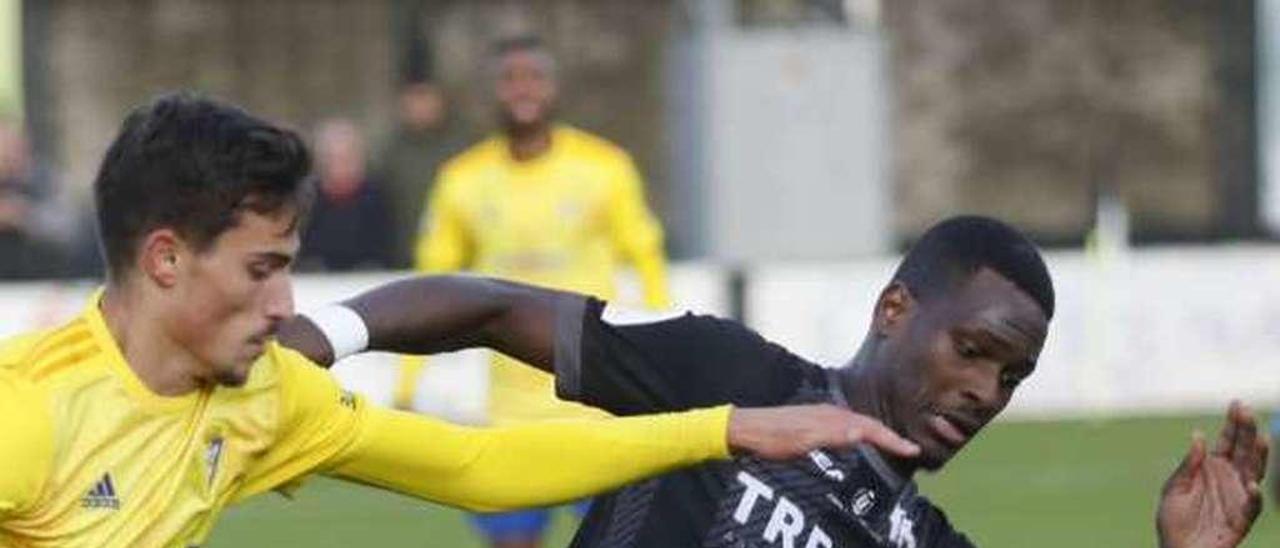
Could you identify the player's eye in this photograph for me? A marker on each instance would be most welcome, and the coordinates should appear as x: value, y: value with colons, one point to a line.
x: 259, y: 272
x: 966, y: 349
x: 1010, y: 379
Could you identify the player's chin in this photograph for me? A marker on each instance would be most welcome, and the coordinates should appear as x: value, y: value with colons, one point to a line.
x: 934, y: 460
x: 233, y: 377
x: 525, y: 116
x: 236, y: 373
x: 934, y: 454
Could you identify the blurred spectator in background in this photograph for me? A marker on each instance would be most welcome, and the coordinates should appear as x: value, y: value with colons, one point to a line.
x: 541, y: 203
x: 425, y: 136
x: 27, y: 248
x: 350, y: 226
x: 23, y: 254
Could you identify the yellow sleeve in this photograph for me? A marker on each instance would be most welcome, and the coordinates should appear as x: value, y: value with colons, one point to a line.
x: 637, y: 234
x: 445, y: 242
x: 527, y: 465
x: 26, y: 444
x: 317, y: 423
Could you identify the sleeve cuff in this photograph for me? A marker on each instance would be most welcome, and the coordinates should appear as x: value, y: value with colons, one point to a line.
x: 713, y: 426
x: 570, y: 315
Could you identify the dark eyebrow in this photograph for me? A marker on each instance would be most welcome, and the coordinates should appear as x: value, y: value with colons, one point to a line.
x: 276, y: 258
x: 983, y: 332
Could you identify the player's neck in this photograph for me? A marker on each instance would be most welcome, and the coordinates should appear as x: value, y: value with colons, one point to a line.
x: 863, y: 390
x: 165, y: 367
x: 529, y: 142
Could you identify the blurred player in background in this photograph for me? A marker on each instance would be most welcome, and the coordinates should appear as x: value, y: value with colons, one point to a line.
x: 426, y: 134
x: 542, y: 203
x: 351, y: 226
x: 137, y: 422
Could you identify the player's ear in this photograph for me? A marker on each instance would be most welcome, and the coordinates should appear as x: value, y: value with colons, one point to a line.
x: 893, y: 308
x: 161, y: 257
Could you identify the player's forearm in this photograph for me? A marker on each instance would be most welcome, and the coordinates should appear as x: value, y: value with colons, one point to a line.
x: 431, y: 314
x: 530, y: 465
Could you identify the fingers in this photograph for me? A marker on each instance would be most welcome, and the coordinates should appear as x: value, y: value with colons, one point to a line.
x: 791, y: 431
x: 1239, y: 503
x: 871, y: 431
x: 1230, y: 429
x: 1263, y: 450
x: 1184, y: 476
x: 1242, y: 443
x: 1248, y: 455
x: 1255, y: 500
x: 1197, y: 453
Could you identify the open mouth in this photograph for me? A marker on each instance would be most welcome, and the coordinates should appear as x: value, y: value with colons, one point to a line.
x: 953, y: 430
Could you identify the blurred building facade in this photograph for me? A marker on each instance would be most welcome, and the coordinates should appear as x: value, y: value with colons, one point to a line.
x: 1026, y: 110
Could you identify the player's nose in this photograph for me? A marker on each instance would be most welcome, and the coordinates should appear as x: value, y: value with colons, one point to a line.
x: 279, y: 303
x: 982, y: 388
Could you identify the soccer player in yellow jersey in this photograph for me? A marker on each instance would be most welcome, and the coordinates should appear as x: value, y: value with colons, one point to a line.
x: 541, y: 203
x: 168, y: 398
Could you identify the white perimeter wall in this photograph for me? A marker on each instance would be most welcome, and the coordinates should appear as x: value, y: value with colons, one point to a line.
x: 1157, y: 330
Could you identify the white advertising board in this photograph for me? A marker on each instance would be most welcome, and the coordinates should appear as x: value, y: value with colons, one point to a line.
x: 1151, y: 331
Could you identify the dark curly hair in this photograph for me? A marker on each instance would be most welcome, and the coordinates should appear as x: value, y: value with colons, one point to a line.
x: 193, y: 164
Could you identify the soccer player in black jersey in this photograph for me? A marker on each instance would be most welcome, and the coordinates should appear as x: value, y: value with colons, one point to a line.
x: 958, y: 327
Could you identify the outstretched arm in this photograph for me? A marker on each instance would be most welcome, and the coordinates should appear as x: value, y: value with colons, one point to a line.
x: 625, y: 365
x: 1213, y: 498
x: 432, y: 314
x: 323, y: 429
x: 545, y: 463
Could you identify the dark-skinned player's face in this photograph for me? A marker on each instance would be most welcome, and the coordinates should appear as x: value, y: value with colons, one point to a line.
x: 955, y: 361
x: 526, y: 88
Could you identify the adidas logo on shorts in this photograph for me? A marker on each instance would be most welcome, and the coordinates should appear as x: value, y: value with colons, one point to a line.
x: 103, y: 495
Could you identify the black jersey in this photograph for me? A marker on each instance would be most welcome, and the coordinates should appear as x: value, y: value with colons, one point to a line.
x: 831, y: 499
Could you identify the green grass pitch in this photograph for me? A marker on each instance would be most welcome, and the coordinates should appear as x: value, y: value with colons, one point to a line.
x: 1044, y: 484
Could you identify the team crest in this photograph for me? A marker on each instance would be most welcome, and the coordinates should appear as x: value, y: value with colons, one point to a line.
x: 348, y: 399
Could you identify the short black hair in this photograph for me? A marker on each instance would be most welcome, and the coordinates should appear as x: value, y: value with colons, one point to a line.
x: 520, y: 42
x: 957, y: 248
x: 194, y: 164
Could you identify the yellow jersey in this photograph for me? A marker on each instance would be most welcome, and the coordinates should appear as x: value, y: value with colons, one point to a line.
x: 562, y: 220
x: 93, y: 458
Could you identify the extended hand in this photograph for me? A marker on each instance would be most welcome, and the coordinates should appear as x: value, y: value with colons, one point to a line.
x: 1213, y: 498
x: 779, y: 433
